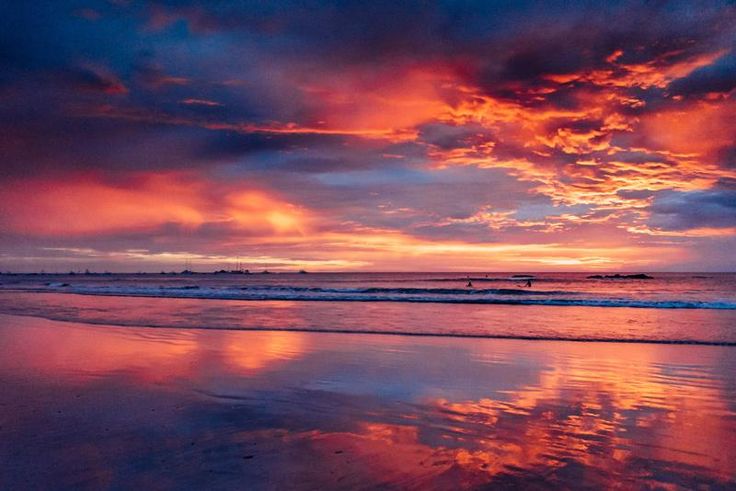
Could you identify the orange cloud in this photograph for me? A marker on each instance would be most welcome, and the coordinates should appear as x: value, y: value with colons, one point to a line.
x: 469, y: 443
x: 571, y: 153
x: 658, y: 72
x: 257, y: 209
x: 88, y: 205
x: 697, y: 128
x: 681, y: 145
x: 388, y: 100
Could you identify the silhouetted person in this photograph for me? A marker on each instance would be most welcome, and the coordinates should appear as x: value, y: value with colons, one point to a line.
x: 470, y: 284
x: 528, y: 283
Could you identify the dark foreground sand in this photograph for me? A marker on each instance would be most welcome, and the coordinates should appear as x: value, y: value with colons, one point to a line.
x: 90, y: 407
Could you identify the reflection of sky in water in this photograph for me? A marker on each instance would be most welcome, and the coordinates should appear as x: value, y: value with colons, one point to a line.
x: 91, y: 407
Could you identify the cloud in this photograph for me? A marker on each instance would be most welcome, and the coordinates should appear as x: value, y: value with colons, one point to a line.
x: 471, y: 122
x: 86, y: 205
x: 717, y: 78
x: 714, y: 209
x: 98, y: 79
x: 199, y: 102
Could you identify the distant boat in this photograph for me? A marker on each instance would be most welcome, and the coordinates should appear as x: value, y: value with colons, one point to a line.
x: 301, y: 271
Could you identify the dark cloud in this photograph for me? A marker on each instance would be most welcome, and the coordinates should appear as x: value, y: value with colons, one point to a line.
x: 447, y: 137
x: 232, y: 145
x: 698, y: 209
x: 635, y: 194
x: 97, y: 80
x: 719, y: 77
x: 727, y: 157
x: 728, y: 183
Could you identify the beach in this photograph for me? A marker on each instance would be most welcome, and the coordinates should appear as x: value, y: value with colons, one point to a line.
x: 90, y: 406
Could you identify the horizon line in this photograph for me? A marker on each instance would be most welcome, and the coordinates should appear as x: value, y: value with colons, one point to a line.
x: 303, y: 271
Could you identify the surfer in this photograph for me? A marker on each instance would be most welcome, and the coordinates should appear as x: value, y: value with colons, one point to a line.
x: 528, y: 283
x: 470, y: 284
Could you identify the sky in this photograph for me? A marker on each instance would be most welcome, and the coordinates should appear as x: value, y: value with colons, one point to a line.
x: 342, y: 135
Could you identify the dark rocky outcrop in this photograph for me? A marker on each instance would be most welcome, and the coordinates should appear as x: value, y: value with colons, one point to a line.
x: 639, y: 276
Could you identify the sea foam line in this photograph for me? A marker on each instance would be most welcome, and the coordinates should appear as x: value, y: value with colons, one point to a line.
x: 407, y: 295
x: 378, y: 332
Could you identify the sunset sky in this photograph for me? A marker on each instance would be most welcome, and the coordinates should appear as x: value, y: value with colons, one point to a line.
x: 367, y: 135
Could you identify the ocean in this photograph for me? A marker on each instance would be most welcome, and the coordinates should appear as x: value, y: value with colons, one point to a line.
x: 666, y: 307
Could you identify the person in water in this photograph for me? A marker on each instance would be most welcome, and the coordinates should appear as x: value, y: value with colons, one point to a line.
x: 528, y: 283
x: 470, y: 284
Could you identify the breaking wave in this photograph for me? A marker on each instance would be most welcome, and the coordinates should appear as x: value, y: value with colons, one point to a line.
x: 490, y: 296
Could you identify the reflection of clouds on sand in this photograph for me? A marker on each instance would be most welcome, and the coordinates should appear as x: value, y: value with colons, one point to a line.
x: 72, y: 354
x: 611, y: 425
x: 146, y: 355
x: 601, y: 413
x: 619, y: 411
x: 246, y: 356
x: 284, y: 409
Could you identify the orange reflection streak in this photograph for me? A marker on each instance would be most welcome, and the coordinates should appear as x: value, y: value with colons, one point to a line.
x: 601, y: 410
x: 607, y: 393
x: 264, y: 351
x: 73, y: 353
x: 147, y: 355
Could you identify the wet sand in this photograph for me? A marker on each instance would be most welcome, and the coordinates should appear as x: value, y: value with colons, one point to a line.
x: 91, y: 407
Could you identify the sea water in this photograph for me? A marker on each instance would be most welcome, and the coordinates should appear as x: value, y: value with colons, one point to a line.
x: 668, y: 307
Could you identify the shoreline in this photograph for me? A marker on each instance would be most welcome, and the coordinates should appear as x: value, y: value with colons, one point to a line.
x: 387, y: 333
x: 578, y: 323
x: 592, y: 303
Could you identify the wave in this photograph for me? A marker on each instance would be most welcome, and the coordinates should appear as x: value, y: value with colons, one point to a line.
x: 406, y: 291
x: 489, y: 296
x: 420, y: 333
x: 480, y: 279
